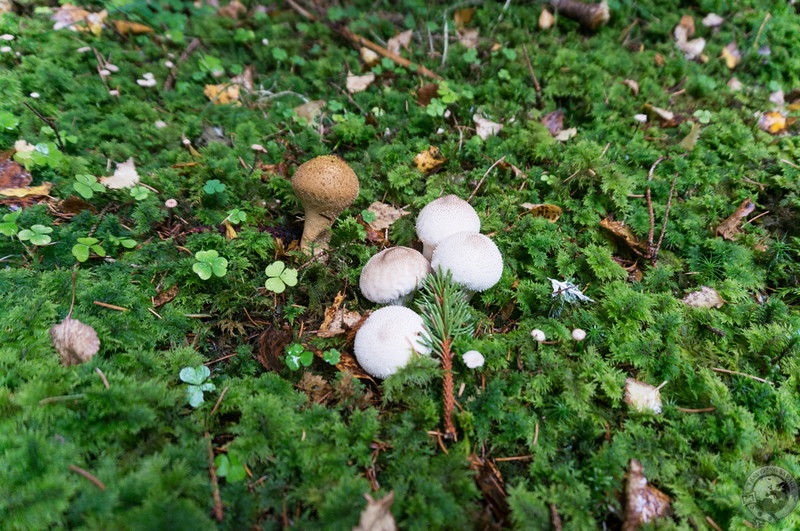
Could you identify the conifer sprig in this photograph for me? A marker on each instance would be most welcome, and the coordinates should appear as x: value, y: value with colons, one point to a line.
x: 446, y: 317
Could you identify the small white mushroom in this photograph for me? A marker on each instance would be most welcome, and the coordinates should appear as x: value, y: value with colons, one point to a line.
x: 473, y: 359
x: 444, y: 217
x: 579, y: 334
x: 387, y: 340
x: 472, y: 258
x: 538, y: 335
x: 393, y: 275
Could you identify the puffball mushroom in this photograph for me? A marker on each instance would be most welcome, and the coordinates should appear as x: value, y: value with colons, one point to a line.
x: 444, y: 217
x: 473, y: 259
x: 473, y: 359
x: 326, y: 185
x: 387, y: 340
x: 393, y: 275
x: 579, y: 334
x: 538, y: 335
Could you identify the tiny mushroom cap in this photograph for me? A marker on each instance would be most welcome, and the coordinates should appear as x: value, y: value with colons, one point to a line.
x: 538, y: 335
x: 387, y: 340
x: 472, y: 258
x: 326, y: 186
x: 392, y: 275
x: 578, y: 334
x: 444, y: 217
x: 473, y: 359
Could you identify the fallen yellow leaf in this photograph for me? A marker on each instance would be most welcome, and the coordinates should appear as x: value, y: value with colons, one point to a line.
x: 222, y: 94
x: 550, y: 212
x: 429, y: 160
x: 125, y: 27
x: 772, y: 122
x: 42, y: 189
x: 230, y: 232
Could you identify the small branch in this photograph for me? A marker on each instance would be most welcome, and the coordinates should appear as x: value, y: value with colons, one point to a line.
x: 498, y: 161
x: 700, y: 410
x: 102, y: 377
x: 536, y: 434
x: 99, y: 484
x: 50, y: 123
x: 72, y: 304
x: 212, y: 473
x: 514, y: 458
x: 555, y: 518
x: 654, y: 252
x: 726, y: 371
x: 651, y: 234
x: 170, y: 81
x: 219, y: 401
x: 111, y: 306
x: 536, y: 85
x: 62, y: 398
x: 212, y: 362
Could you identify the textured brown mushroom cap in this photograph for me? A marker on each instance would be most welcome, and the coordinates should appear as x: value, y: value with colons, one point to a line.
x: 325, y: 184
x: 393, y: 274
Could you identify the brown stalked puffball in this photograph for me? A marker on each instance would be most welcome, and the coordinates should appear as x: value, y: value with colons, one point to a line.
x: 393, y: 275
x: 326, y: 186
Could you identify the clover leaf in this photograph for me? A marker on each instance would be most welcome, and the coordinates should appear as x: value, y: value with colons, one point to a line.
x: 8, y: 226
x: 196, y: 378
x: 87, y: 185
x: 236, y: 216
x: 230, y: 467
x: 297, y: 355
x: 208, y: 263
x: 37, y: 234
x: 214, y: 186
x: 280, y: 277
x: 332, y: 356
x: 139, y: 193
x: 81, y: 249
x: 8, y: 120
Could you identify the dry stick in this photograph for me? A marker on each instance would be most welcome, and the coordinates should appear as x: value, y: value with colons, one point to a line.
x: 713, y: 524
x: 555, y: 518
x: 701, y: 410
x: 99, y: 484
x: 536, y: 85
x: 449, y: 401
x: 651, y: 234
x: 219, y: 401
x: 102, y: 377
x: 49, y: 122
x: 498, y: 161
x: 726, y: 371
x: 515, y: 458
x: 184, y: 56
x: 111, y: 306
x: 358, y: 40
x: 758, y: 35
x: 212, y: 472
x: 666, y: 218
x: 212, y: 362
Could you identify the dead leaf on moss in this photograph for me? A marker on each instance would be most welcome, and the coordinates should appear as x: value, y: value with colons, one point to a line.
x: 566, y: 134
x: 658, y: 112
x: 633, y: 85
x: 369, y: 57
x: 315, y: 386
x: 468, y: 37
x: 486, y: 128
x: 230, y: 232
x: 75, y: 342
x: 731, y: 227
x: 402, y: 39
x: 127, y: 27
x: 429, y: 160
x: 377, y: 515
x: 642, y: 396
x: 75, y: 205
x: 234, y: 9
x: 12, y: 174
x: 426, y: 93
x: 492, y: 487
x: 621, y: 230
x: 554, y: 121
x: 222, y: 94
x: 516, y: 171
x: 731, y: 55
x: 773, y: 122
x: 705, y: 298
x: 245, y: 79
x: 643, y: 502
x: 385, y: 215
x: 338, y: 320
x: 550, y: 212
x: 29, y: 191
x: 690, y: 140
x: 685, y: 28
x: 359, y: 83
x: 165, y: 296
x: 546, y: 19
x: 462, y: 17
x: 125, y: 176
x: 310, y: 111
x: 68, y: 16
x: 712, y: 20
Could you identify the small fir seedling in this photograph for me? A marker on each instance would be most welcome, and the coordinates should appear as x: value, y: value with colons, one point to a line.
x: 297, y: 355
x: 85, y: 246
x: 230, y: 467
x: 37, y: 234
x: 213, y: 186
x: 210, y: 263
x: 236, y: 216
x: 197, y: 378
x: 332, y: 356
x: 87, y: 185
x: 8, y: 226
x: 279, y: 277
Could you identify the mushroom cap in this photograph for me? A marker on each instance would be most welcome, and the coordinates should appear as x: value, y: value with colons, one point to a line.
x: 392, y: 274
x: 325, y: 184
x: 444, y: 217
x: 472, y: 258
x: 385, y: 341
x: 473, y: 359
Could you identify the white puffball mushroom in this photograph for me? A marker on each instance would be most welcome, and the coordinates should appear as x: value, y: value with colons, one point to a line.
x: 473, y: 359
x: 473, y: 259
x: 579, y: 334
x: 444, y: 217
x: 393, y: 275
x: 387, y: 340
x: 538, y: 335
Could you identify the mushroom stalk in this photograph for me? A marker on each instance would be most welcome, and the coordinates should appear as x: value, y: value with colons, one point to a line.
x: 590, y: 16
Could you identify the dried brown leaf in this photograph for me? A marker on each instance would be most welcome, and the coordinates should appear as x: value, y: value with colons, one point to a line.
x: 75, y: 205
x: 245, y: 79
x: 30, y: 191
x: 486, y: 128
x: 12, y: 175
x: 554, y: 121
x: 662, y: 114
x: 642, y: 396
x: 165, y: 296
x: 311, y: 110
x: 429, y: 160
x: 385, y: 215
x: 705, y: 298
x: 271, y: 344
x: 338, y: 320
x: 633, y: 85
x: 463, y: 17
x: 468, y: 37
x: 75, y: 342
x: 490, y: 482
x: 234, y: 9
x: 687, y: 23
x: 359, y: 83
x: 547, y: 211
x: 730, y: 228
x: 690, y: 140
x: 621, y: 230
x: 643, y: 502
x: 230, y: 232
x: 426, y: 93
x: 315, y: 386
x: 68, y: 16
x: 377, y: 515
x: 546, y: 19
x: 402, y: 39
x: 125, y: 27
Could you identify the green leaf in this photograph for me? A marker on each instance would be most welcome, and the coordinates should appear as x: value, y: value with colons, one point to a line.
x: 332, y: 356
x: 99, y: 251
x: 8, y: 228
x: 236, y: 471
x: 8, y: 120
x: 194, y: 375
x: 220, y: 267
x: 25, y: 234
x: 41, y: 239
x: 223, y: 465
x: 275, y: 269
x: 88, y: 241
x: 80, y: 252
x: 214, y: 186
x: 289, y: 277
x: 128, y: 243
x: 195, y: 395
x: 275, y: 284
x: 202, y: 269
x: 206, y: 256
x: 84, y: 190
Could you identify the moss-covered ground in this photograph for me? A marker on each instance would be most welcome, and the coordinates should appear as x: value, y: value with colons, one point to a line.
x: 543, y: 427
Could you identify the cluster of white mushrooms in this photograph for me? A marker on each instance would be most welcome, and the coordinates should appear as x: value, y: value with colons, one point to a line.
x: 448, y: 228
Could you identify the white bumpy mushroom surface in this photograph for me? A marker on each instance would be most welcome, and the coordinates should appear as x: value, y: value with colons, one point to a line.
x: 387, y: 340
x: 472, y: 258
x: 444, y: 217
x: 473, y: 359
x: 393, y: 275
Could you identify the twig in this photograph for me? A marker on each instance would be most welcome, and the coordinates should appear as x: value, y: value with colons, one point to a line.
x: 193, y: 45
x: 793, y: 165
x: 536, y: 85
x: 700, y: 410
x: 498, y: 161
x: 49, y: 122
x: 212, y: 473
x: 219, y: 401
x: 555, y: 518
x: 72, y: 304
x: 726, y: 371
x: 99, y: 484
x: 102, y: 377
x: 111, y: 306
x: 760, y: 29
x: 212, y: 362
x: 348, y: 96
x: 62, y: 398
x: 154, y: 313
x: 358, y: 40
x: 650, y: 235
x: 515, y: 458
x: 713, y: 524
x: 536, y: 434
x: 654, y: 252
